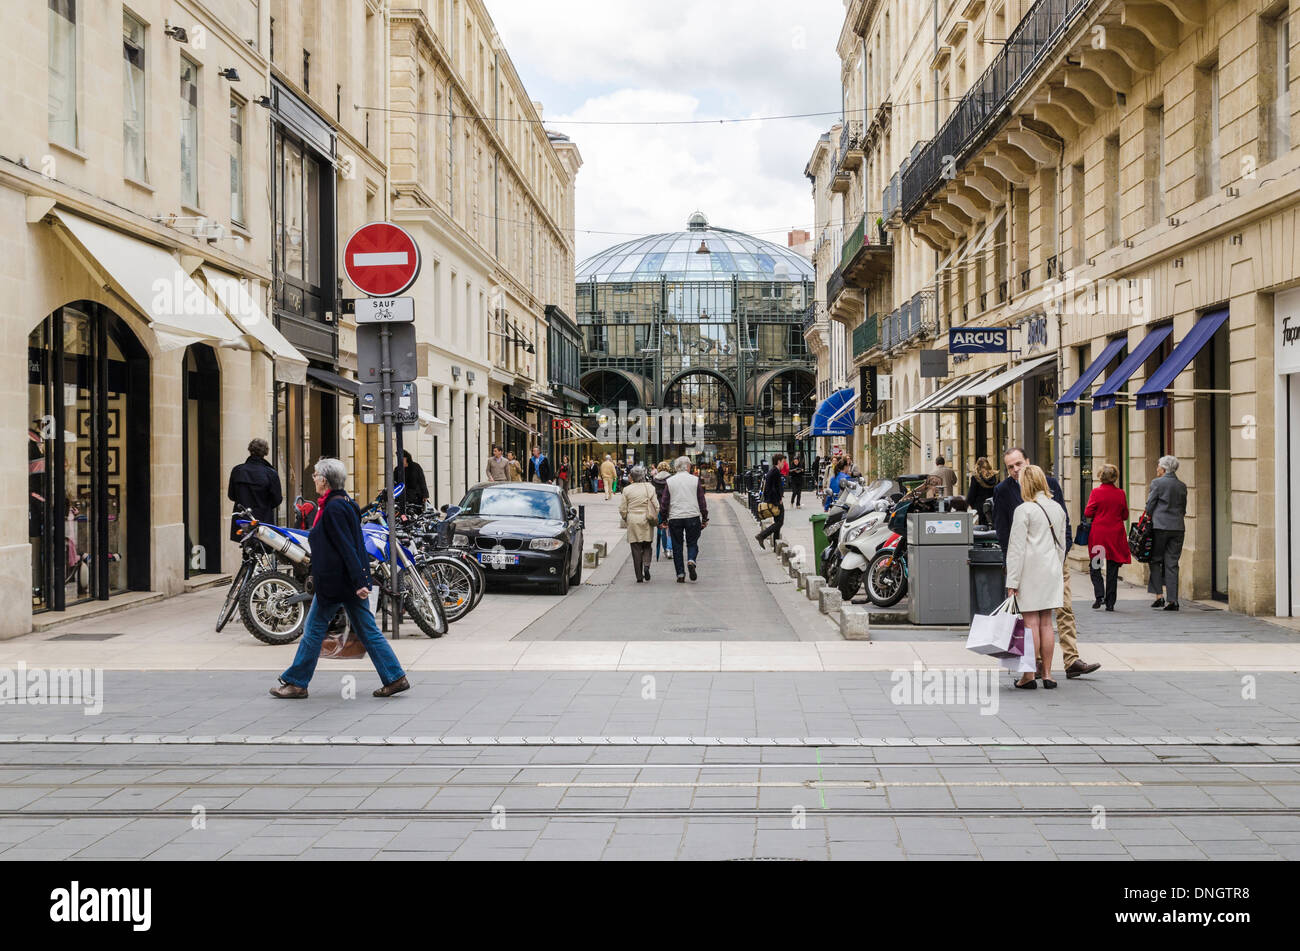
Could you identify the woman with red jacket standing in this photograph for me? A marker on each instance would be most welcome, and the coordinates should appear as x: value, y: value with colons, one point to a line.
x: 1108, y: 508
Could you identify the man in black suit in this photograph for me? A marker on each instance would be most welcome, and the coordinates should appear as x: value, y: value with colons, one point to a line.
x: 255, y: 485
x: 1006, y: 499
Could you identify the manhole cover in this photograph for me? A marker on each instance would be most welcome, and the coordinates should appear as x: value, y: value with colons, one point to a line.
x: 696, y: 630
x: 85, y: 637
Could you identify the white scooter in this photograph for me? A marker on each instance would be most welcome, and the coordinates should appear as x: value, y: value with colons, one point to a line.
x: 860, y: 539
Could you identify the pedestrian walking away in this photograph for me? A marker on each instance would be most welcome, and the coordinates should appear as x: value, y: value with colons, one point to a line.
x: 340, y: 571
x: 1167, y: 507
x: 608, y: 474
x: 660, y: 482
x: 773, y: 495
x: 638, y: 506
x: 1036, y: 547
x: 685, y: 512
x: 415, y: 491
x: 1107, y: 538
x: 942, y: 480
x: 797, y: 473
x: 255, y: 485
x: 1006, y: 499
x: 498, y: 466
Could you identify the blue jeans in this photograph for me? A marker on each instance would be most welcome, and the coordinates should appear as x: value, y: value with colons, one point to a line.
x: 363, y: 625
x: 689, y: 528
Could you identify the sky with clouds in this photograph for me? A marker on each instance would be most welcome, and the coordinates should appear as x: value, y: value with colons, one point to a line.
x: 666, y: 60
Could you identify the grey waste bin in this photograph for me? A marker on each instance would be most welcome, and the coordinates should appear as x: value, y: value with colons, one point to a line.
x: 988, y: 574
x: 938, y: 579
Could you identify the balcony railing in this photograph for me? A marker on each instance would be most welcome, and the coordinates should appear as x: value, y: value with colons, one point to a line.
x: 975, y: 118
x: 854, y: 244
x: 866, y: 335
x: 834, y: 286
x: 810, y: 317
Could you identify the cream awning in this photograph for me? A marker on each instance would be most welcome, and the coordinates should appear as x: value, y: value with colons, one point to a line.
x: 949, y: 395
x: 987, y: 387
x: 242, y: 308
x: 151, y: 281
x: 428, y: 421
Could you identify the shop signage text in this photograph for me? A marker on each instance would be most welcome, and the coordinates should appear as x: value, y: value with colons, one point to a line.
x: 984, y: 340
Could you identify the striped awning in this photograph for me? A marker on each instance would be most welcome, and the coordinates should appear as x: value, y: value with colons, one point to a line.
x: 510, y: 419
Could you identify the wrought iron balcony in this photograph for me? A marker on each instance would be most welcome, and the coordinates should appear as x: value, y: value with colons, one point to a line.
x: 1024, y: 279
x: 851, y: 142
x: 1002, y: 292
x: 862, y: 261
x: 834, y: 286
x: 1051, y: 267
x: 976, y: 118
x: 866, y: 336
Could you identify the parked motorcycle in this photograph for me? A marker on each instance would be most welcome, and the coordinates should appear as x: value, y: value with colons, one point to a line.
x: 866, y: 527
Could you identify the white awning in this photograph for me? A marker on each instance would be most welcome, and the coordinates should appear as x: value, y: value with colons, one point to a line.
x: 241, y: 307
x: 150, y: 280
x: 428, y: 421
x: 950, y: 394
x: 991, y: 385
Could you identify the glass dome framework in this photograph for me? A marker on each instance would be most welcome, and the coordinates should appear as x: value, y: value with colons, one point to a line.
x: 704, y: 300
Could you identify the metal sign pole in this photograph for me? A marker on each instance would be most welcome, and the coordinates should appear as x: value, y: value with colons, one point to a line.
x: 386, y: 373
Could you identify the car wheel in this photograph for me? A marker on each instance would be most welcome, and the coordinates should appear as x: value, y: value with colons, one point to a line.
x: 576, y: 578
x: 562, y: 586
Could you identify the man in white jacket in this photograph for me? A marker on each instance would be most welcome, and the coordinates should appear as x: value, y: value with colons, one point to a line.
x: 684, y: 511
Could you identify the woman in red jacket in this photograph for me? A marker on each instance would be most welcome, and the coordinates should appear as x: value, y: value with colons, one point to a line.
x: 1107, y: 538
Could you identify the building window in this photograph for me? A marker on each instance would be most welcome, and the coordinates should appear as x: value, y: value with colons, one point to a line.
x: 189, y: 133
x: 63, y: 72
x: 1076, y: 215
x: 1110, y: 177
x: 1274, y: 84
x: 236, y: 159
x: 423, y: 171
x: 134, y: 114
x: 1154, y: 150
x: 306, y: 71
x: 1207, y: 129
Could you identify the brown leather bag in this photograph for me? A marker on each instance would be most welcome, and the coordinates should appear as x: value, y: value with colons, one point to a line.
x: 343, y: 646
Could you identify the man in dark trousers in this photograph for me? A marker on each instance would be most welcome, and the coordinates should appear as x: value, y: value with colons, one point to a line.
x: 773, y: 494
x: 1006, y: 499
x: 539, y: 467
x: 255, y: 485
x: 416, y: 491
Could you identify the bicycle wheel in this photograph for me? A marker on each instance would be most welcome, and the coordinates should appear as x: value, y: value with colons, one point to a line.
x: 232, y: 596
x: 454, y: 582
x: 423, y: 608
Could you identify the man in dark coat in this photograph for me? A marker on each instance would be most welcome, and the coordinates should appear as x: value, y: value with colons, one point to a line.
x: 416, y: 491
x: 773, y: 494
x: 255, y: 484
x: 539, y: 467
x: 1006, y: 499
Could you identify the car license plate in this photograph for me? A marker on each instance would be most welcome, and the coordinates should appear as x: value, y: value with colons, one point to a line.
x: 497, y: 559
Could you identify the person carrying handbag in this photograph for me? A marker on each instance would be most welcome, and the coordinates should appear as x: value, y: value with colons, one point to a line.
x: 1035, y: 552
x: 638, y: 506
x: 1104, y: 536
x: 773, y: 498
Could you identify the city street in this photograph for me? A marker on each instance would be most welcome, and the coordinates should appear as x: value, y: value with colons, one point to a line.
x: 525, y: 737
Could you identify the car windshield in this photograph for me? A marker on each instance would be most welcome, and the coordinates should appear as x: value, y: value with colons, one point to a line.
x: 515, y: 501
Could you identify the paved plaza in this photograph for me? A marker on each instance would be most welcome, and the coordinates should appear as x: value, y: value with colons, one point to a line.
x: 724, y: 719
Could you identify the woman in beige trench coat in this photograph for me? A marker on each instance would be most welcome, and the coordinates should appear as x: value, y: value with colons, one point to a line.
x: 638, y: 505
x: 1035, y: 553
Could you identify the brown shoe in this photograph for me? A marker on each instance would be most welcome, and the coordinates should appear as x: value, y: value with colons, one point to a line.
x: 397, y: 686
x: 289, y: 692
x: 1079, y: 668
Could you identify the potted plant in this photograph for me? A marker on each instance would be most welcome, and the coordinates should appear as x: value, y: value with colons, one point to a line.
x: 880, y: 228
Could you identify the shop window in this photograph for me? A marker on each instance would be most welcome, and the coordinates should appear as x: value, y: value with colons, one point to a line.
x: 63, y: 128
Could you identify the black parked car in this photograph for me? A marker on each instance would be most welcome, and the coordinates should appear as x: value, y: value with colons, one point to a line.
x: 519, y: 531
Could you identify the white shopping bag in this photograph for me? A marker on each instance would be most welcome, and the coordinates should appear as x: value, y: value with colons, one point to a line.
x: 1025, y: 663
x: 992, y: 634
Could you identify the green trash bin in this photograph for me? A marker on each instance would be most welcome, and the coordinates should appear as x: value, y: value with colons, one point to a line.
x: 820, y: 540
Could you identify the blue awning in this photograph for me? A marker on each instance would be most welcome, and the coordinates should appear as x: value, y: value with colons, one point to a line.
x: 1065, y: 405
x: 1104, y: 397
x: 1152, y: 395
x: 828, y: 420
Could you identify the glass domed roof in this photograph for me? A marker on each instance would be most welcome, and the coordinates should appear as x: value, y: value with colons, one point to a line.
x: 678, y: 257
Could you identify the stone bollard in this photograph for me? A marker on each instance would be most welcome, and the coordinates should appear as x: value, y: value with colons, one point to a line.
x: 794, y: 571
x: 590, y: 559
x: 800, y: 578
x: 829, y: 600
x: 812, y: 585
x: 602, y: 550
x: 855, y: 623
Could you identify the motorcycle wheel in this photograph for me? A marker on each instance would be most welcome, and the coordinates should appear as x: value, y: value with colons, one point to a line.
x: 849, y: 583
x: 886, y: 579
x: 454, y: 582
x: 265, y: 615
x: 424, y: 610
x: 232, y: 596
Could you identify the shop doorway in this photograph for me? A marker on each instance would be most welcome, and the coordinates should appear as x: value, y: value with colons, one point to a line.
x: 201, y: 447
x: 88, y: 457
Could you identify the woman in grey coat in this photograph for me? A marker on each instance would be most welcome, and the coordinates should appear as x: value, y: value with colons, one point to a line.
x: 1166, y: 506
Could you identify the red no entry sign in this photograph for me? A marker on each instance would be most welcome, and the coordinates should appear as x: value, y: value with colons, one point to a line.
x: 381, y: 259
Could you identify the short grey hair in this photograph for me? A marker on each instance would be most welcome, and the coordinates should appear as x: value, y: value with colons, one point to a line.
x: 637, y: 474
x: 1168, y: 463
x: 682, y: 464
x: 332, y: 471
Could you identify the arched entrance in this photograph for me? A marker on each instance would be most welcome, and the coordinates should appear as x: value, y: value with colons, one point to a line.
x: 706, y: 400
x: 785, y: 406
x: 88, y: 457
x: 202, y: 452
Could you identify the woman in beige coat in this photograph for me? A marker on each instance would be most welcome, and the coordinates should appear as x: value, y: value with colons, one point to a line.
x: 1035, y: 553
x: 638, y: 505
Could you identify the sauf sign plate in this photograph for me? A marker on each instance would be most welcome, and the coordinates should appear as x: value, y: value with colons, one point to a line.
x: 978, y: 340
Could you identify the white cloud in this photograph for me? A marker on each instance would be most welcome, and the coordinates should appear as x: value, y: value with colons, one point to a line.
x: 679, y: 60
